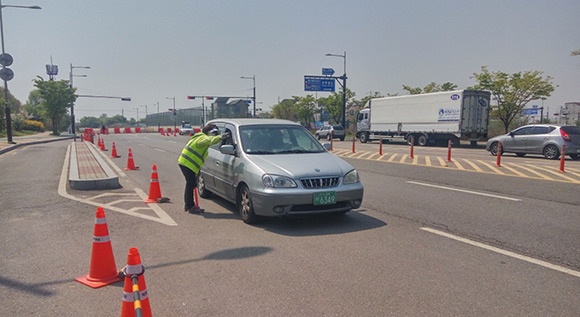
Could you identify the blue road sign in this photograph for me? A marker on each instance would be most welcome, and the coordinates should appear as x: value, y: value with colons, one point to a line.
x: 313, y: 83
x: 529, y: 112
x: 327, y: 71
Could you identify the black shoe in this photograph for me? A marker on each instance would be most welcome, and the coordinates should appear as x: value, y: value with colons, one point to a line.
x: 196, y: 210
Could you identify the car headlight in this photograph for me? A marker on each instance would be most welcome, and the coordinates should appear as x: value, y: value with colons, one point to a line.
x: 351, y: 177
x: 277, y: 181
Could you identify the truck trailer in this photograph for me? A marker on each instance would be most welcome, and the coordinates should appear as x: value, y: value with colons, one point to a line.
x: 426, y: 119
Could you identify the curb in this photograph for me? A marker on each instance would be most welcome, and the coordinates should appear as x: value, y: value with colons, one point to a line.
x: 111, y: 181
x: 17, y: 145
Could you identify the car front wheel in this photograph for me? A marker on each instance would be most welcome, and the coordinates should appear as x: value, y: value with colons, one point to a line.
x: 203, y: 191
x: 245, y: 206
x: 318, y: 136
x: 551, y: 152
x: 493, y: 149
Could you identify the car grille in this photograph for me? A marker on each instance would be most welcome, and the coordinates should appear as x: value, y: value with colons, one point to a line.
x: 321, y: 182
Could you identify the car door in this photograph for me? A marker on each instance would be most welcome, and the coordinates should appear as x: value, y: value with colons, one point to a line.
x: 535, y: 141
x: 516, y: 141
x: 224, y: 165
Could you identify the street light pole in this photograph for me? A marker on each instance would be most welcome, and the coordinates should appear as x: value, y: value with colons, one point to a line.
x: 174, y: 113
x: 343, y: 88
x: 72, y: 106
x: 253, y: 78
x: 7, y: 74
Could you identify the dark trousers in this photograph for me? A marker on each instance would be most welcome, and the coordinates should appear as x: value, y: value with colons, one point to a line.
x: 190, y: 184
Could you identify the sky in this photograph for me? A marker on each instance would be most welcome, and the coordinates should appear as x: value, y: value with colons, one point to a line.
x: 154, y: 51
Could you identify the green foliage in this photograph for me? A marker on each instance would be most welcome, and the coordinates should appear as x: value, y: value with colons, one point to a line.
x: 306, y: 107
x: 333, y: 104
x: 513, y: 91
x: 14, y: 107
x: 286, y: 109
x: 55, y: 98
x: 431, y: 87
x: 29, y: 125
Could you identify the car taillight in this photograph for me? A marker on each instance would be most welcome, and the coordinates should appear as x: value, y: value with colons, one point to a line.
x: 565, y: 136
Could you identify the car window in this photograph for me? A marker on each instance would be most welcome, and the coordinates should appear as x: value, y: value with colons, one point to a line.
x: 541, y: 130
x: 278, y: 139
x: 523, y: 131
x: 574, y: 130
x: 338, y: 127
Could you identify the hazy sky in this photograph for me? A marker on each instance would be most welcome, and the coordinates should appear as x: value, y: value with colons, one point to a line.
x: 152, y: 50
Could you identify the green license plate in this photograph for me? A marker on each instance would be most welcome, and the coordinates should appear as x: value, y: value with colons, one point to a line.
x: 324, y: 198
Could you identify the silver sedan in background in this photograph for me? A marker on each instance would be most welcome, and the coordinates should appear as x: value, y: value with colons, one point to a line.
x: 545, y: 139
x: 271, y: 168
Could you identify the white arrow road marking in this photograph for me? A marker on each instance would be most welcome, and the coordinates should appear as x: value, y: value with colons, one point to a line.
x: 162, y: 216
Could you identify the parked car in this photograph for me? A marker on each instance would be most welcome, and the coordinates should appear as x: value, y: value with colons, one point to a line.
x: 186, y: 129
x: 331, y: 131
x: 272, y: 167
x: 544, y: 139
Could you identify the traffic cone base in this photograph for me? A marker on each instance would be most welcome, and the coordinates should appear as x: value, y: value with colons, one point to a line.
x: 102, y: 270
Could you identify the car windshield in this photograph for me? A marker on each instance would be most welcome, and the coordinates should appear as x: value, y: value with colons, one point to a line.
x: 187, y: 126
x: 278, y: 139
x: 337, y: 127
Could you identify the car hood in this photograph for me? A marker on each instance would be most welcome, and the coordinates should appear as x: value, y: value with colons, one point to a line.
x: 302, y: 165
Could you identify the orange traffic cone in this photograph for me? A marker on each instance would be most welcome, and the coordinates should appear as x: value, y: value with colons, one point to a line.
x: 102, y: 271
x: 195, y: 196
x: 131, y: 302
x: 114, y: 152
x: 130, y: 163
x: 103, y: 145
x: 154, y: 188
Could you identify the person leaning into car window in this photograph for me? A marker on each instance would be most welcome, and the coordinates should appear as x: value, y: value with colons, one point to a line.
x: 192, y: 158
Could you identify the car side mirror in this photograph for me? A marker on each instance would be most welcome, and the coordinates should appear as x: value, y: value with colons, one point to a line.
x: 228, y: 149
x: 511, y: 134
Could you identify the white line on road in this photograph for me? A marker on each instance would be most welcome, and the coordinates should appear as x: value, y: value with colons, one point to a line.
x: 505, y: 252
x: 465, y: 191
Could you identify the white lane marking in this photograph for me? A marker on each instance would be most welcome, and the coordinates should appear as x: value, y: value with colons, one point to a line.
x: 465, y: 191
x: 160, y: 150
x: 162, y: 216
x: 505, y: 252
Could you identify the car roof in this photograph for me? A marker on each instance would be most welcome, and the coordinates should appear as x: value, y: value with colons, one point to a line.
x: 253, y: 121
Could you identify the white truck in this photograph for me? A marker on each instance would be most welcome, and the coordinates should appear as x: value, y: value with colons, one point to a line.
x: 427, y: 119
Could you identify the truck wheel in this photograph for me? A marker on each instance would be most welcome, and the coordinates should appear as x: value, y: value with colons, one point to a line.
x: 363, y: 137
x: 422, y: 140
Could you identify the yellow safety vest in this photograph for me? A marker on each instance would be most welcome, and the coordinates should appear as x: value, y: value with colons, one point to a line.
x: 195, y: 151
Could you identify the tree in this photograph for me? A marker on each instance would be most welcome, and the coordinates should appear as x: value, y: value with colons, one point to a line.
x: 513, y: 92
x: 286, y: 109
x: 431, y: 87
x: 56, y: 97
x: 14, y: 107
x: 306, y: 107
x: 333, y: 104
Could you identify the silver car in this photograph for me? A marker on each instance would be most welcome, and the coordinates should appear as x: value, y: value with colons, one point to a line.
x: 271, y: 167
x: 331, y: 131
x: 544, y: 139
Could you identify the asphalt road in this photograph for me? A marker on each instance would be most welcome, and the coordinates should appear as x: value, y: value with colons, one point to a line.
x: 428, y: 241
